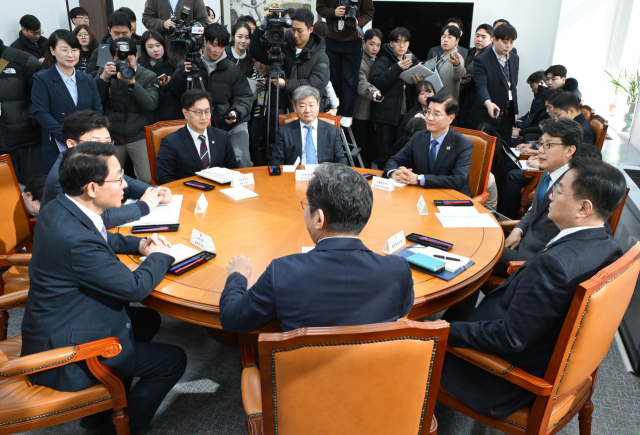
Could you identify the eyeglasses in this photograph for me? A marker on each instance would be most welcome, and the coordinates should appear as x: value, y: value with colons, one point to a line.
x: 303, y: 203
x: 429, y: 114
x: 65, y: 51
x: 119, y: 180
x: 546, y: 145
x: 199, y: 113
x: 555, y: 191
x: 401, y: 43
x: 83, y: 35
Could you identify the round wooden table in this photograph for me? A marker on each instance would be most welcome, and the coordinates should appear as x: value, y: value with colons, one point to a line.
x: 272, y: 226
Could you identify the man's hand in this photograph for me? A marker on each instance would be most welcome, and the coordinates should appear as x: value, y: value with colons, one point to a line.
x: 187, y: 66
x: 340, y: 11
x: 404, y: 175
x: 524, y: 147
x: 155, y: 243
x: 152, y: 197
x: 513, y: 240
x: 533, y: 162
x: 515, y: 132
x: 376, y: 93
x: 260, y: 87
x: 278, y: 82
x: 405, y: 64
x: 109, y: 71
x: 455, y: 59
x: 491, y: 107
x: 164, y: 81
x: 168, y: 24
x: 465, y: 81
x: 241, y: 265
x: 165, y: 194
x: 41, y: 60
x: 417, y: 79
x: 333, y: 112
x: 235, y: 118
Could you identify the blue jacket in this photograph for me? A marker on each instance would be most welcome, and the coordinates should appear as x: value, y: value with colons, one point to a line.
x: 52, y: 102
x: 288, y: 145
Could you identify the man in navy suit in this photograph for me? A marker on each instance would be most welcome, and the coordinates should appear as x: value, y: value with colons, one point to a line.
x: 437, y: 158
x: 521, y: 320
x: 80, y: 291
x: 195, y: 146
x: 339, y: 283
x: 312, y: 140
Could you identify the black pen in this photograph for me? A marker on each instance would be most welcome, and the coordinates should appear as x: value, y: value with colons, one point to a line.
x: 446, y: 258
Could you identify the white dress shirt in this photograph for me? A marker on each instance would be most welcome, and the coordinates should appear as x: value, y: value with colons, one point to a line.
x: 197, y: 142
x: 568, y: 231
x: 304, y: 131
x: 95, y: 218
x: 70, y: 83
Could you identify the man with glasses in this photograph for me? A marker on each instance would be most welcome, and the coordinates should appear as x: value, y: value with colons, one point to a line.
x: 79, y: 16
x: 439, y: 157
x: 196, y: 146
x: 89, y: 126
x: 30, y: 38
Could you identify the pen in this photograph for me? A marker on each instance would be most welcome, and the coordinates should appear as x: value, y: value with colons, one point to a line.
x: 184, y: 263
x: 190, y: 264
x: 148, y: 230
x: 446, y: 258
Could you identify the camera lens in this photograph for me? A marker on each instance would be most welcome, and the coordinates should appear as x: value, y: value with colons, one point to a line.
x: 128, y: 72
x: 276, y: 36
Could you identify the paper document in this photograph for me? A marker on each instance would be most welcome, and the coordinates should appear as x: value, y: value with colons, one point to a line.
x: 162, y: 214
x: 431, y: 63
x: 458, y: 211
x: 219, y: 175
x: 526, y: 167
x: 515, y: 151
x: 396, y: 184
x: 435, y: 81
x: 419, y: 70
x: 179, y: 252
x: 450, y: 265
x: 238, y: 193
x: 482, y: 220
x: 252, y: 84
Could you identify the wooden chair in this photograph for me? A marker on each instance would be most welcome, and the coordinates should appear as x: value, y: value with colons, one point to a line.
x: 25, y: 407
x: 483, y: 148
x: 373, y: 379
x: 600, y: 127
x: 567, y: 386
x: 587, y: 111
x: 153, y: 135
x: 526, y: 197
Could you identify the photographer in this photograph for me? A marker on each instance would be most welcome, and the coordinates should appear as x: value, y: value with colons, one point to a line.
x: 157, y: 14
x: 129, y: 94
x: 119, y: 26
x: 232, y: 96
x: 344, y: 47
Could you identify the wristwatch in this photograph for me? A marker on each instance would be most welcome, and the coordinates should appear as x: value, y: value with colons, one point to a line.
x: 132, y: 86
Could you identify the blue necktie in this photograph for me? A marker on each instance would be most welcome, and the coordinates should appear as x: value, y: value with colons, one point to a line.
x: 432, y: 155
x: 543, y: 189
x: 311, y: 149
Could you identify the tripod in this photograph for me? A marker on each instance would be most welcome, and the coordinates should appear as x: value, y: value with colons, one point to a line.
x: 275, y: 72
x: 194, y: 72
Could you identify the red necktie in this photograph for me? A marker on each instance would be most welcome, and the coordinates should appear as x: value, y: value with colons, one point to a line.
x: 204, y: 151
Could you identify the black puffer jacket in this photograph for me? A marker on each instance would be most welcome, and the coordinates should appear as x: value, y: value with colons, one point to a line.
x: 385, y: 75
x: 18, y: 127
x: 311, y: 67
x: 92, y: 67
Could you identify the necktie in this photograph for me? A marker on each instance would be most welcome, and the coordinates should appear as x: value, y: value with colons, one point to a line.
x: 432, y: 155
x: 204, y: 151
x: 543, y: 189
x: 311, y: 149
x: 103, y: 233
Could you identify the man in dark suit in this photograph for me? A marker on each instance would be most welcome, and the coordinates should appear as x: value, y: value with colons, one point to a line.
x: 196, y: 146
x: 80, y: 291
x: 312, y: 140
x: 339, y: 283
x: 30, y: 38
x: 438, y: 51
x: 496, y: 75
x: 521, y: 320
x: 437, y: 158
x: 567, y: 106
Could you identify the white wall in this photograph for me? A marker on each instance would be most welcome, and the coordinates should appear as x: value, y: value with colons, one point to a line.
x: 51, y: 13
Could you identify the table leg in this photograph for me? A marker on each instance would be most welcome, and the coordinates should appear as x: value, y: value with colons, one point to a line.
x: 223, y: 336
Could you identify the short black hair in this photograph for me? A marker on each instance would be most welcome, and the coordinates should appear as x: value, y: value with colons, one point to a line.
x: 343, y: 195
x: 487, y: 28
x: 289, y: 11
x: 216, y: 31
x: 119, y: 18
x: 247, y: 19
x: 129, y: 12
x: 78, y: 123
x: 567, y: 130
x: 211, y: 11
x: 566, y: 101
x: 30, y: 22
x: 485, y: 127
x: 453, y: 31
x: 588, y: 151
x: 500, y: 20
x: 371, y: 33
x: 399, y: 32
x: 84, y: 164
x: 536, y: 77
x: 320, y: 28
x: 450, y: 103
x: 556, y: 71
x: 132, y: 45
x: 190, y: 97
x: 73, y: 13
x: 506, y: 32
x: 600, y: 183
x: 35, y: 186
x: 414, y: 125
x: 456, y: 20
x: 304, y: 15
x: 552, y: 94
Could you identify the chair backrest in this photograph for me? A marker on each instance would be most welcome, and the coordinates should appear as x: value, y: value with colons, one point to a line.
x: 483, y: 148
x: 587, y: 111
x: 154, y: 134
x: 615, y: 217
x: 600, y: 127
x: 373, y: 379
x: 16, y: 230
x: 326, y: 117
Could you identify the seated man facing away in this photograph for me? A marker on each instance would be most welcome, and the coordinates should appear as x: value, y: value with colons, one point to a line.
x: 567, y: 106
x: 313, y: 140
x: 80, y: 291
x: 439, y: 157
x: 87, y: 125
x: 521, y: 320
x: 339, y: 283
x: 196, y: 146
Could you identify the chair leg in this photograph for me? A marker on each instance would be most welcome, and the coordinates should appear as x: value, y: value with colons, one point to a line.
x: 4, y: 324
x: 584, y: 417
x: 254, y: 424
x: 121, y: 421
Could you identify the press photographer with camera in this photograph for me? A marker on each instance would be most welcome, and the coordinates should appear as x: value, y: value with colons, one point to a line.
x: 232, y: 96
x: 129, y: 94
x: 119, y: 26
x: 159, y: 14
x: 345, y: 19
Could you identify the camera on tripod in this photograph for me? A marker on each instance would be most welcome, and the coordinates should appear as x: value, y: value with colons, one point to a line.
x: 122, y: 65
x: 273, y: 38
x: 185, y: 40
x: 351, y: 13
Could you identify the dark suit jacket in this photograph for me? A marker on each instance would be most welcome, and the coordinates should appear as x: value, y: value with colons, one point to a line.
x: 437, y: 51
x: 520, y: 321
x: 288, y: 145
x: 80, y: 292
x: 589, y: 136
x: 52, y: 102
x: 452, y: 163
x: 338, y: 283
x: 178, y: 157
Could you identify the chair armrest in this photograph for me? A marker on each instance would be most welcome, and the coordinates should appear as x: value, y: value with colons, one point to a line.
x: 531, y: 173
x: 251, y: 391
x: 512, y: 266
x: 106, y: 348
x: 480, y: 199
x: 34, y: 222
x: 509, y: 224
x: 15, y: 260
x: 504, y: 369
x: 526, y: 154
x: 13, y: 300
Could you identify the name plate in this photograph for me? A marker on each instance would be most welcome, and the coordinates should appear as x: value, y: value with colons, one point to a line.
x: 303, y: 175
x: 242, y: 180
x: 422, y: 207
x: 383, y: 184
x: 202, y: 241
x: 394, y: 243
x: 202, y: 204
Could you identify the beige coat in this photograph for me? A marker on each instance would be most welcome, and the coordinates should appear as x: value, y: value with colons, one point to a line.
x: 451, y: 76
x: 362, y: 108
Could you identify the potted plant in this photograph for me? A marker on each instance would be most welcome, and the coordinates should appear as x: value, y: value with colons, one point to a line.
x: 620, y: 99
x: 629, y: 83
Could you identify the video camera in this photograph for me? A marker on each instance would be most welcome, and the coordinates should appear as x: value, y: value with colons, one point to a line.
x: 122, y: 66
x: 185, y: 40
x: 273, y: 37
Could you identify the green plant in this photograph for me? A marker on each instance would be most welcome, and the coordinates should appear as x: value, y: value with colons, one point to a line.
x: 619, y: 90
x: 629, y: 83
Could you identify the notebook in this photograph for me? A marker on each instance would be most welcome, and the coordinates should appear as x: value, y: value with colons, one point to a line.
x: 239, y: 193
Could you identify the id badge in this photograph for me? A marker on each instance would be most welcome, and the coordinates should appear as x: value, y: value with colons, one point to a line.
x: 510, y: 95
x: 340, y: 25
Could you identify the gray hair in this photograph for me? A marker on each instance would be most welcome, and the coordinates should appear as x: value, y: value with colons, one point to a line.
x: 303, y: 92
x: 343, y: 195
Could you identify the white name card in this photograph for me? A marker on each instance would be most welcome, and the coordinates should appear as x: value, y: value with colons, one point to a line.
x: 310, y: 168
x: 202, y: 241
x: 303, y: 175
x: 242, y: 180
x: 291, y: 168
x: 383, y: 183
x: 394, y: 243
x: 202, y: 204
x: 422, y: 207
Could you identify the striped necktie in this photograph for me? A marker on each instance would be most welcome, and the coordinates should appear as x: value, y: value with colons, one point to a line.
x: 204, y: 151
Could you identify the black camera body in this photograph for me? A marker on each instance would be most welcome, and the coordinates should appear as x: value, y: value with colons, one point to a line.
x: 351, y: 13
x: 122, y: 66
x: 273, y: 38
x: 185, y: 40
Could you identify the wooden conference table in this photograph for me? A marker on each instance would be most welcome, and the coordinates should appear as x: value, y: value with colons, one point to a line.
x: 272, y: 226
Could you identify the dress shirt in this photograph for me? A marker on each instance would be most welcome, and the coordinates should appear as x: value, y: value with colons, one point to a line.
x: 568, y: 231
x: 502, y: 61
x: 439, y: 140
x: 174, y: 4
x: 304, y: 131
x: 70, y: 83
x: 95, y: 218
x: 196, y: 140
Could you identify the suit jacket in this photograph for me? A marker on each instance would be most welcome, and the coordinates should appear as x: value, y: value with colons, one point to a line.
x: 521, y: 320
x: 452, y: 163
x: 298, y: 290
x: 437, y: 51
x: 80, y: 292
x: 156, y: 12
x: 588, y: 135
x: 52, y: 102
x: 178, y: 157
x: 288, y: 145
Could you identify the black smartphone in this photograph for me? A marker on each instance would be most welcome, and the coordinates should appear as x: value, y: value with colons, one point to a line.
x: 199, y: 185
x: 378, y: 99
x: 368, y: 176
x: 429, y: 241
x: 274, y: 170
x: 191, y: 262
x: 454, y: 202
x: 155, y: 228
x: 466, y: 76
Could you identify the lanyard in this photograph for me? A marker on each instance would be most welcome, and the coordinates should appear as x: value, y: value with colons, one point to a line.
x: 507, y: 76
x: 171, y: 8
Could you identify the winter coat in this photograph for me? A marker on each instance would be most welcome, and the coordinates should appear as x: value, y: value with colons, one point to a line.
x: 36, y: 50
